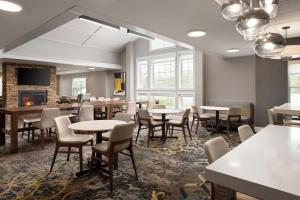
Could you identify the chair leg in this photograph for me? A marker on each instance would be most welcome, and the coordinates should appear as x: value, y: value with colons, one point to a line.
x: 193, y: 123
x: 183, y: 130
x: 68, y: 157
x: 32, y: 139
x: 54, y: 157
x: 133, y: 162
x: 42, y: 138
x: 92, y: 160
x: 24, y: 126
x: 80, y: 158
x: 149, y: 132
x: 172, y: 131
x: 111, y: 175
x: 197, y: 126
x: 28, y: 132
x: 116, y: 161
x: 138, y: 132
x: 188, y: 128
x: 228, y: 128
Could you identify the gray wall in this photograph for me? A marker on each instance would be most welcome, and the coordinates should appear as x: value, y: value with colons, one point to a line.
x: 229, y: 80
x: 97, y: 83
x: 271, y: 87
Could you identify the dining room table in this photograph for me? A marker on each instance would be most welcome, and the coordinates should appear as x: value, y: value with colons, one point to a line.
x: 163, y: 112
x: 288, y: 109
x: 217, y: 110
x: 97, y: 127
x: 265, y: 166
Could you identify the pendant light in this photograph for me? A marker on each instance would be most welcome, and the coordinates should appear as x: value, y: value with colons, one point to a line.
x: 269, y: 45
x: 290, y: 51
x: 232, y: 9
x: 270, y: 6
x: 252, y: 22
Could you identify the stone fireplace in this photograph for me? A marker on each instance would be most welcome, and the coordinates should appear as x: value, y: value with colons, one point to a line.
x: 36, y: 94
x: 32, y: 98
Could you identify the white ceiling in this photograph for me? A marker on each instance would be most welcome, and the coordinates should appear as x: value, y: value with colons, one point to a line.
x: 171, y: 18
x: 86, y: 34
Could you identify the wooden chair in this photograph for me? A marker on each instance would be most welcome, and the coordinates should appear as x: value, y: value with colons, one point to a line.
x: 181, y: 124
x: 214, y: 149
x: 245, y: 132
x: 233, y: 115
x: 86, y: 113
x: 121, y: 117
x: 120, y: 140
x: 201, y: 118
x: 131, y: 110
x: 144, y: 120
x: 65, y: 137
x: 28, y: 120
x: 46, y: 122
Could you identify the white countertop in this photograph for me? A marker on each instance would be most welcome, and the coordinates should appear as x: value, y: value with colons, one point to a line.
x: 215, y: 108
x: 164, y: 111
x: 96, y: 125
x: 288, y: 109
x: 266, y: 166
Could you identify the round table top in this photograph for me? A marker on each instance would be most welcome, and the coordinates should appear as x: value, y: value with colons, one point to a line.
x: 215, y: 108
x: 165, y: 111
x: 96, y: 125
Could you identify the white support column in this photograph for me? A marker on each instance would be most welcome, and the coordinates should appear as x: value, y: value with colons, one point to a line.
x: 130, y: 72
x: 199, y: 78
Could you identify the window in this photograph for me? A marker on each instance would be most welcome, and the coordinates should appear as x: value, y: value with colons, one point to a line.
x: 294, y: 83
x: 186, y: 71
x: 160, y: 44
x: 142, y: 73
x: 164, y: 72
x: 168, y: 78
x: 78, y: 86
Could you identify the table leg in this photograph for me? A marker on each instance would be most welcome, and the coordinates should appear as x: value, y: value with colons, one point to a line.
x: 2, y: 129
x: 163, y: 131
x: 140, y: 106
x: 14, y: 133
x: 217, y: 129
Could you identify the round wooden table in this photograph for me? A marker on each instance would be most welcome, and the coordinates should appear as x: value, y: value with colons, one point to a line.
x: 98, y: 127
x: 163, y: 113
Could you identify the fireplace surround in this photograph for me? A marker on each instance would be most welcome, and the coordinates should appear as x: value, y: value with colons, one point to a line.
x: 32, y: 97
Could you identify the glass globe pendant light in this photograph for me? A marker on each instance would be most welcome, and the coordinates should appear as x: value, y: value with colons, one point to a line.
x: 269, y: 45
x: 232, y: 9
x: 252, y: 22
x: 270, y: 6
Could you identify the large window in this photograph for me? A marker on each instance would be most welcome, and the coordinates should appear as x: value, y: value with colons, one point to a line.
x: 294, y: 83
x: 78, y: 86
x: 168, y: 78
x: 158, y: 44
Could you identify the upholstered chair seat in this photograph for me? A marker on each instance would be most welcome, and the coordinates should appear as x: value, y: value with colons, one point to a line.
x: 76, y: 138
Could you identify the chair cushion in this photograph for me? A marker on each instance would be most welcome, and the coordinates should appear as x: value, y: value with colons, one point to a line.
x: 157, y: 123
x: 155, y: 117
x: 106, y: 134
x: 76, y: 139
x: 101, y: 147
x: 206, y: 115
x: 174, y: 122
x: 288, y: 122
x: 31, y: 120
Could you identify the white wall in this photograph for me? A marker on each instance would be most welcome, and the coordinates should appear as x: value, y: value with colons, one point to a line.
x: 97, y: 83
x: 231, y: 79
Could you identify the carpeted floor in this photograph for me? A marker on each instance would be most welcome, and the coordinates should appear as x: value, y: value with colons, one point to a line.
x: 170, y: 171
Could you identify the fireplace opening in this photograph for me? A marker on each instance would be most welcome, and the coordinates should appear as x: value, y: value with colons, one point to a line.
x: 32, y: 98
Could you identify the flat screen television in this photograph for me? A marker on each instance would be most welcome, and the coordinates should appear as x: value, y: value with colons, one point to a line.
x: 33, y: 76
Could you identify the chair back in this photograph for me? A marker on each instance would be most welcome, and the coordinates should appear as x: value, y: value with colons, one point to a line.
x: 144, y: 117
x: 215, y: 148
x: 131, y: 108
x: 62, y: 128
x: 123, y: 117
x: 195, y: 111
x: 86, y: 113
x: 245, y: 132
x: 47, y: 117
x: 121, y: 136
x: 185, y: 115
x: 93, y: 99
x: 272, y: 116
x: 150, y: 104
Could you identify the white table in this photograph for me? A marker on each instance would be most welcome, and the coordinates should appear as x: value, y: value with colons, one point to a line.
x: 266, y: 166
x: 288, y: 109
x: 163, y: 113
x: 217, y: 109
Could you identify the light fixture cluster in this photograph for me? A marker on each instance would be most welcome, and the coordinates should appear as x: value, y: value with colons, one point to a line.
x: 252, y: 22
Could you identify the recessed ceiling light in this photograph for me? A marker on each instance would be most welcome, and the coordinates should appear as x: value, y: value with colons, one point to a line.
x: 232, y: 50
x: 91, y: 68
x: 9, y: 6
x: 196, y: 33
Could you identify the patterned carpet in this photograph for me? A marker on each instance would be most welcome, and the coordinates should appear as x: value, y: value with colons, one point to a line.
x: 170, y: 171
